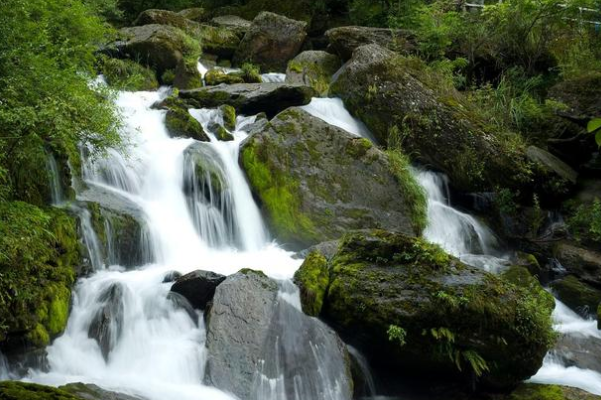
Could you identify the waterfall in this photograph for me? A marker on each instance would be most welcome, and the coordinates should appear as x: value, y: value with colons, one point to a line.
x: 56, y: 190
x: 332, y: 111
x: 90, y: 239
x: 4, y: 369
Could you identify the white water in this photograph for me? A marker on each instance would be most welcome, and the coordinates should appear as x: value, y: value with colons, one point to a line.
x: 4, y: 368
x: 332, y: 111
x: 57, y: 196
x: 157, y: 349
x: 273, y: 77
x: 554, y: 371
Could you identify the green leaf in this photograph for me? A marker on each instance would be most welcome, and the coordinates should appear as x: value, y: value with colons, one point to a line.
x: 598, y: 138
x: 594, y: 125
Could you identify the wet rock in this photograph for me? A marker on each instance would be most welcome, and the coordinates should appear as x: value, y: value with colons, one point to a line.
x: 399, y: 299
x: 107, y: 324
x: 583, y: 263
x: 271, y: 41
x: 198, y: 287
x: 532, y: 391
x: 249, y: 98
x: 181, y: 302
x: 579, y: 351
x: 345, y: 40
x: 556, y: 173
x: 305, y: 204
x: 577, y: 295
x: 171, y: 276
x: 220, y: 132
x: 86, y: 391
x: 187, y: 75
x: 229, y: 117
x: 180, y: 123
x: 260, y: 346
x: 217, y: 76
x: 313, y: 68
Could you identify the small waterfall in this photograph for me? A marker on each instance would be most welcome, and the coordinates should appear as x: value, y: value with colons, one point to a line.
x: 4, y: 368
x: 332, y: 111
x: 294, y: 369
x: 90, y: 239
x: 369, y: 389
x: 56, y: 189
x: 553, y: 371
x: 273, y: 77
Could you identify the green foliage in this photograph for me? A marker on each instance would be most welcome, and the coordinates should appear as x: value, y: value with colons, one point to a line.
x: 46, y: 63
x: 594, y: 127
x: 11, y: 390
x: 585, y: 222
x: 400, y: 167
x: 397, y: 334
x: 127, y: 74
x: 132, y: 8
x: 38, y: 253
x: 251, y: 73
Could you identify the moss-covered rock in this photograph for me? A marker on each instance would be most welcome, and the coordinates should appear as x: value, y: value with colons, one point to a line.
x: 249, y: 98
x: 522, y: 277
x: 180, y: 123
x: 89, y: 391
x: 127, y: 74
x: 217, y: 76
x: 582, y: 262
x: 316, y: 181
x: 344, y: 40
x: 417, y: 311
x: 197, y: 14
x: 271, y: 41
x: 220, y: 132
x: 229, y: 117
x: 233, y: 23
x: 582, y: 95
x: 312, y: 278
x: 39, y: 256
x: 313, y: 68
x: 402, y: 101
x: 10, y: 390
x: 577, y: 295
x: 186, y: 74
x: 532, y: 391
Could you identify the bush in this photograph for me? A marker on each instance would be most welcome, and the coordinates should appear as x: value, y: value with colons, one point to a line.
x: 585, y: 222
x: 127, y: 74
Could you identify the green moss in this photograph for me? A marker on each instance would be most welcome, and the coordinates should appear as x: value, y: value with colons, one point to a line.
x: 359, y: 147
x: 126, y: 74
x: 521, y: 276
x: 538, y: 392
x: 11, y: 390
x: 313, y: 279
x: 251, y: 73
x: 229, y: 117
x: 279, y: 195
x: 217, y: 77
x: 39, y: 253
x: 168, y: 77
x: 222, y: 134
x: 180, y: 123
x: 412, y: 190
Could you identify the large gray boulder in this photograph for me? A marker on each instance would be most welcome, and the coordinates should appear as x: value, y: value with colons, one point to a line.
x: 417, y: 311
x: 249, y: 98
x: 254, y: 336
x: 346, y: 39
x: 313, y: 68
x: 579, y: 261
x: 233, y: 23
x: 316, y: 181
x: 271, y: 41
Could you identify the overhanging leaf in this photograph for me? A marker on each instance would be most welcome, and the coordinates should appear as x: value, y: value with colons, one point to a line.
x: 598, y: 138
x: 594, y: 125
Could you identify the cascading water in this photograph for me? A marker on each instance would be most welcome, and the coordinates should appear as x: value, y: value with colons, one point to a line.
x: 332, y: 111
x: 125, y: 332
x: 57, y: 196
x: 4, y: 368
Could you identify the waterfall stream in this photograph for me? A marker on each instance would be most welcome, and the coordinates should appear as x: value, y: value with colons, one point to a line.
x: 200, y: 214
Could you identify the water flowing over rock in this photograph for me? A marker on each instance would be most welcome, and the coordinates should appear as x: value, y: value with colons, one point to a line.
x: 198, y: 287
x: 346, y: 39
x: 402, y: 301
x: 271, y: 41
x: 107, y: 325
x: 261, y: 347
x: 250, y: 98
x: 306, y: 205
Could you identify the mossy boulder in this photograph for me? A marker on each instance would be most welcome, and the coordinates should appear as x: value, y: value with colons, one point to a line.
x: 577, y: 295
x: 316, y: 181
x: 402, y: 102
x: 160, y: 47
x: 186, y: 75
x: 220, y: 132
x: 531, y: 391
x: 271, y: 41
x: 233, y: 23
x: 180, y: 123
x: 415, y: 310
x: 165, y: 17
x: 249, y: 98
x: 217, y: 76
x: 582, y: 262
x: 39, y: 256
x: 197, y: 14
x: 120, y: 228
x: 228, y: 114
x: 313, y: 68
x: 343, y: 41
x: 313, y: 278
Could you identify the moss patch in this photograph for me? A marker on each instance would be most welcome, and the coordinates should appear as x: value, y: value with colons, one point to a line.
x: 11, y: 390
x: 313, y: 279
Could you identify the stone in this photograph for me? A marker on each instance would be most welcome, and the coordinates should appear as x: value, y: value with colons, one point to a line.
x: 343, y: 41
x: 198, y: 287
